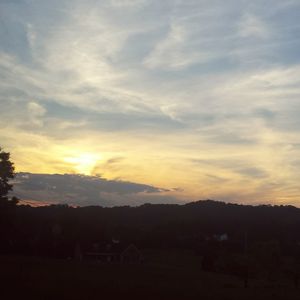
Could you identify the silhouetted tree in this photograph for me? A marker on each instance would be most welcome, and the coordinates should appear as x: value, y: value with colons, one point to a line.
x: 7, y: 204
x: 6, y: 174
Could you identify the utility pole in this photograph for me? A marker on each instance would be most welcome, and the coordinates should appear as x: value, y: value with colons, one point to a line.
x: 246, y: 275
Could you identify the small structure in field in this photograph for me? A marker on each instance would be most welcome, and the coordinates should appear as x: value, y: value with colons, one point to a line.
x: 131, y: 254
x: 221, y: 237
x: 116, y: 253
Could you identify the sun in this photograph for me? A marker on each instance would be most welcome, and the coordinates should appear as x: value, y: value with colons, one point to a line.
x: 84, y: 163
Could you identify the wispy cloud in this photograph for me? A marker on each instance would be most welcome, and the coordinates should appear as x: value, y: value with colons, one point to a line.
x: 160, y: 84
x: 251, y: 26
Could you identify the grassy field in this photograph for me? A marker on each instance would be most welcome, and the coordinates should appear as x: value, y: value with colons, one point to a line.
x: 163, y: 275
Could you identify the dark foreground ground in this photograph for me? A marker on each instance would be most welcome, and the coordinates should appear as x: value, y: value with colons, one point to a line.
x: 164, y: 275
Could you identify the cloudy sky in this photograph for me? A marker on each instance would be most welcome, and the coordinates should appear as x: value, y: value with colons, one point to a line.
x: 194, y: 98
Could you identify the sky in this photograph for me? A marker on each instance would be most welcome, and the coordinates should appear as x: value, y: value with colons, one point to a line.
x: 184, y: 100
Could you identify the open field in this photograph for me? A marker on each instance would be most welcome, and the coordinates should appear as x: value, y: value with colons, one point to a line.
x: 163, y: 275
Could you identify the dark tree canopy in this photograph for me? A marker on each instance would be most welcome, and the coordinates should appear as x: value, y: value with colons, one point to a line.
x: 6, y: 174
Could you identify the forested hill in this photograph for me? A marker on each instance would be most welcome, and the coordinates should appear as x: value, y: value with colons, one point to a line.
x: 157, y: 225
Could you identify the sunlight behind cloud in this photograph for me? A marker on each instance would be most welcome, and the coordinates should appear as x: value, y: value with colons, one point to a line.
x: 83, y: 163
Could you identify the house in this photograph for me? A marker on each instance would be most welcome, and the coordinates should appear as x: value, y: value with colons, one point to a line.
x: 131, y: 254
x: 221, y: 237
x: 115, y: 253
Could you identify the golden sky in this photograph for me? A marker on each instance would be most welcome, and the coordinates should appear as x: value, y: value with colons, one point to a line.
x: 200, y: 98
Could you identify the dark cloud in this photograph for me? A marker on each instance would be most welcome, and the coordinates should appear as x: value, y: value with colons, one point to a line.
x: 232, y: 164
x: 253, y: 172
x: 265, y: 114
x: 216, y: 179
x: 114, y: 160
x: 238, y: 166
x: 229, y: 138
x: 178, y: 189
x: 85, y: 190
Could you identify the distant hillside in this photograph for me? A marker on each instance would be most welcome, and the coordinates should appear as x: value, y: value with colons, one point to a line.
x: 168, y: 224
